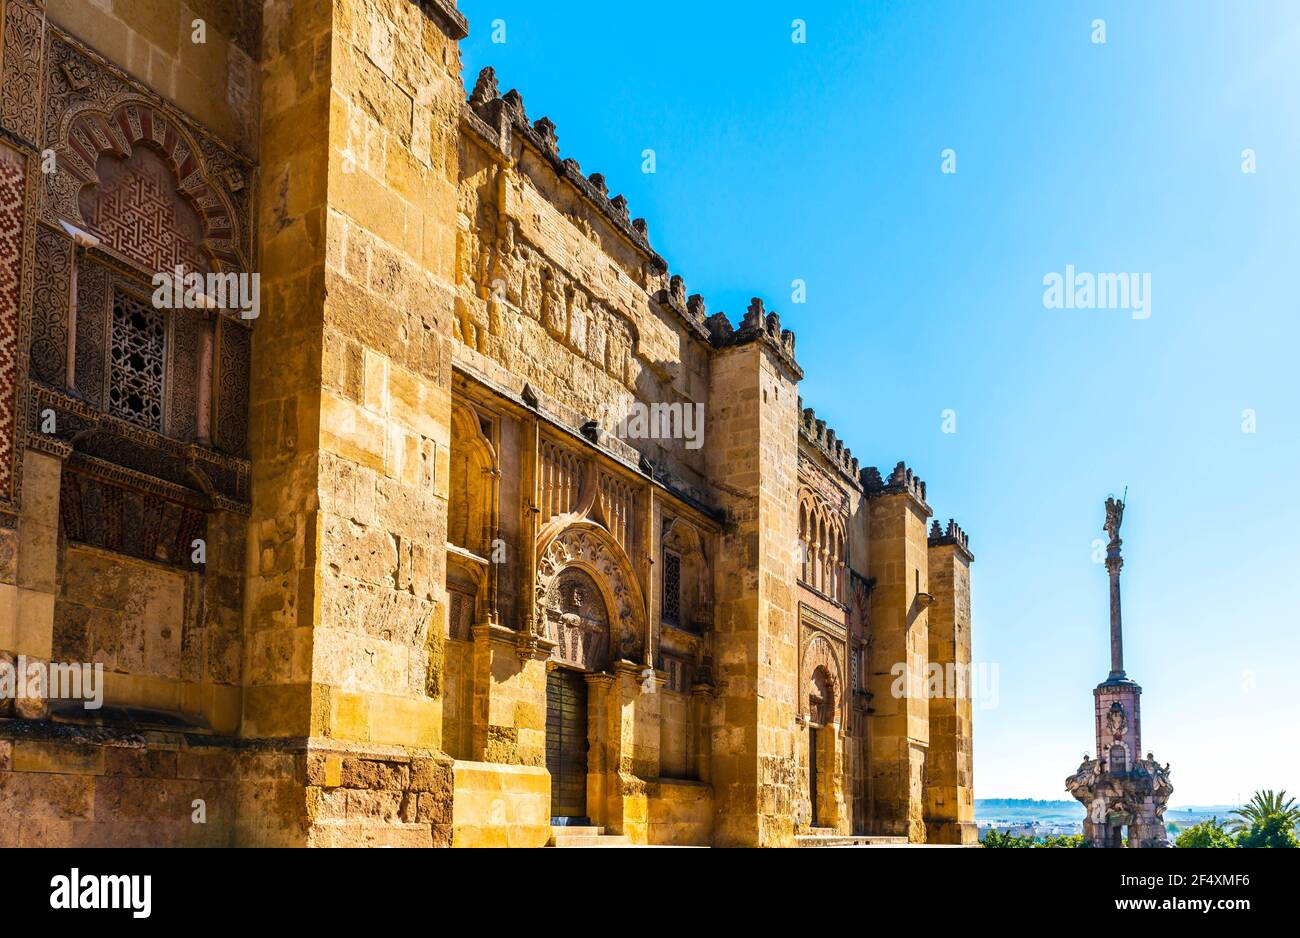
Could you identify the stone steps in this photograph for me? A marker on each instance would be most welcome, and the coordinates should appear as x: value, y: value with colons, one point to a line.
x: 575, y: 836
x: 848, y: 840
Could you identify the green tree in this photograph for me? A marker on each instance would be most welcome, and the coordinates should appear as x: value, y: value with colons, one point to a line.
x: 995, y: 839
x: 1064, y: 840
x: 1276, y: 830
x: 1206, y: 834
x: 1262, y: 806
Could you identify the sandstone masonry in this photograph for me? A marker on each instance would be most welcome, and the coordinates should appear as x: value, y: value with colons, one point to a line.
x: 401, y: 561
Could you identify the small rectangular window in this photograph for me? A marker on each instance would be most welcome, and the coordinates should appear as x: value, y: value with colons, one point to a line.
x: 672, y: 605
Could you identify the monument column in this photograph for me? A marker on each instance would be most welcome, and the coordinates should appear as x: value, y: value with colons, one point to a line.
x: 1114, y: 563
x: 1124, y: 794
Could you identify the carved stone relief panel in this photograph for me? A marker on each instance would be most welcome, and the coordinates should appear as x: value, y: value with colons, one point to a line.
x: 49, y: 342
x: 587, y: 548
x: 820, y: 694
x: 20, y: 81
x: 136, y: 210
x: 234, y: 353
x: 577, y: 620
x: 159, y: 170
x: 100, y: 514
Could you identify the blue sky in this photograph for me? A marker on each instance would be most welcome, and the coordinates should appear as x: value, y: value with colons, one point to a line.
x: 821, y: 161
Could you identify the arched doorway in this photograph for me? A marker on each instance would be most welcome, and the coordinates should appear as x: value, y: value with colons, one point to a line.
x: 589, y: 604
x: 821, y: 706
x: 578, y: 620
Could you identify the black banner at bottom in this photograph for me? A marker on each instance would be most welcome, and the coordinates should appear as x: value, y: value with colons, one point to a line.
x: 142, y: 887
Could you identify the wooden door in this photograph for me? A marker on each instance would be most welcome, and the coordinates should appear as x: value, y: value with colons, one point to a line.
x: 566, y: 742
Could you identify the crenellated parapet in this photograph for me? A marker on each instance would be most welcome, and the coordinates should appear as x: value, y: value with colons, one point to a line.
x: 757, y: 325
x: 953, y: 536
x: 901, y: 480
x: 690, y: 311
x: 826, y: 442
x: 498, y: 118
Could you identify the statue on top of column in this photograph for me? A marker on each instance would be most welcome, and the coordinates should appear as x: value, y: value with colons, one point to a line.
x: 1114, y: 516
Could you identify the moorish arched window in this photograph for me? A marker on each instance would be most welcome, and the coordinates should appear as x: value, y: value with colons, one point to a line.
x: 822, y: 544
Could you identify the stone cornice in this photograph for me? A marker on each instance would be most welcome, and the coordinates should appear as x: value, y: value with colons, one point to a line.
x: 627, y: 458
x: 449, y: 19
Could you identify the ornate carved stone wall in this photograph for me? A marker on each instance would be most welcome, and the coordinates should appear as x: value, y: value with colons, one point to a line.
x: 13, y: 229
x: 408, y: 473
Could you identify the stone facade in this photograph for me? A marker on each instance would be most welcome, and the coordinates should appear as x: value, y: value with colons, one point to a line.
x: 478, y: 523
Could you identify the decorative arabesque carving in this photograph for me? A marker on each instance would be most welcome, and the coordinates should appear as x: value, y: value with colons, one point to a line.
x: 234, y: 342
x: 156, y: 190
x: 112, y: 517
x: 586, y: 547
x: 20, y: 81
x: 14, y: 228
x: 94, y: 290
x: 49, y: 342
x: 819, y: 654
x: 92, y: 108
x: 136, y: 209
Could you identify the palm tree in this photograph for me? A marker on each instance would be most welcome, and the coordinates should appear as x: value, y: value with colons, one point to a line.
x: 1263, y: 805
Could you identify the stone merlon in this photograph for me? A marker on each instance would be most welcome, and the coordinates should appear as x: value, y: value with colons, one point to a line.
x: 953, y: 535
x: 496, y: 116
x: 757, y: 325
x: 902, y: 479
x: 827, y: 443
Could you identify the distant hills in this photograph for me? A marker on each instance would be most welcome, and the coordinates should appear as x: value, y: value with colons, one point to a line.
x: 1012, y: 812
x: 992, y: 804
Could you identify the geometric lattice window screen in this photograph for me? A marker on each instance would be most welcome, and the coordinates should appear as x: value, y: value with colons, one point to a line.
x: 137, y: 362
x: 462, y: 615
x: 672, y: 611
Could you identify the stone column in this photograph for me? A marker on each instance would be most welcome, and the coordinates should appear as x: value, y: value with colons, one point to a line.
x: 1115, y: 563
x: 830, y: 763
x: 604, y: 733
